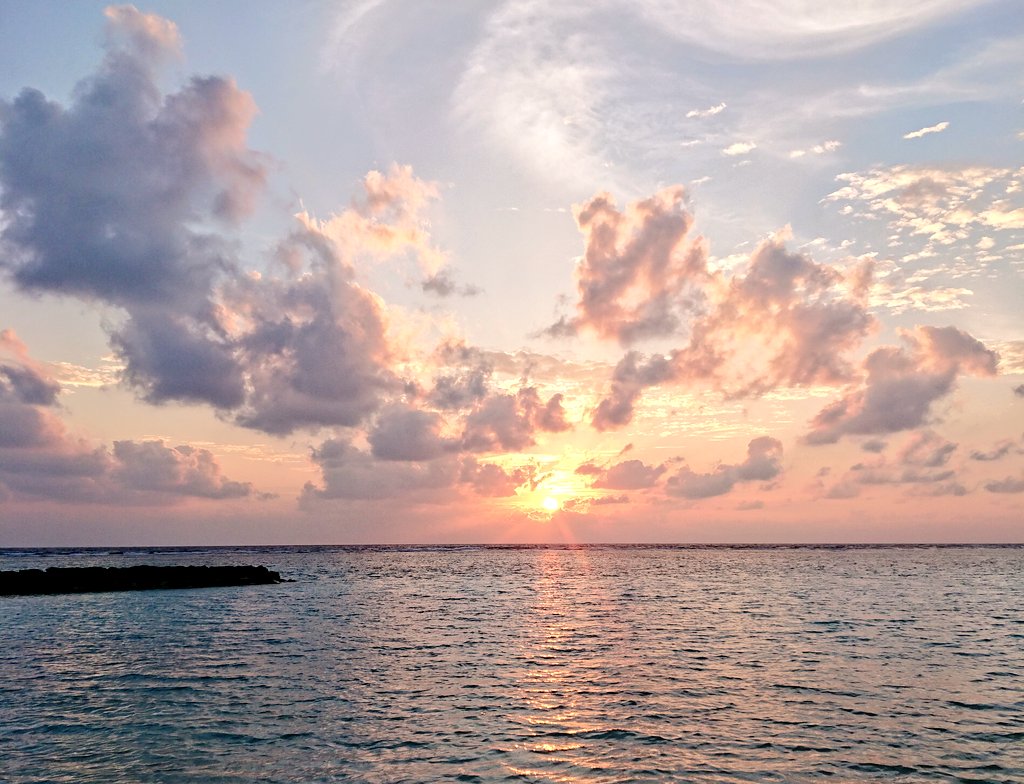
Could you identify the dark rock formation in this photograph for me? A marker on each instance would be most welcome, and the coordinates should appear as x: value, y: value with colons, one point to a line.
x: 131, y: 578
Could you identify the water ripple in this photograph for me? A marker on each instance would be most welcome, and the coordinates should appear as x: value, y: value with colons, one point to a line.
x: 535, y: 664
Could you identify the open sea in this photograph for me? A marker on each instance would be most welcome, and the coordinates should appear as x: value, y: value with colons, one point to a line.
x: 533, y: 664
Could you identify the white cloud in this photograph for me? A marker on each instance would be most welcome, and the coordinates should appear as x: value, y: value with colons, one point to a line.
x: 937, y: 128
x: 739, y: 148
x: 936, y: 206
x: 831, y: 145
x: 788, y: 29
x: 711, y: 111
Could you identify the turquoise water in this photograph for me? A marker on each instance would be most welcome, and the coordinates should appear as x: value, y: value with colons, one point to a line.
x: 525, y: 664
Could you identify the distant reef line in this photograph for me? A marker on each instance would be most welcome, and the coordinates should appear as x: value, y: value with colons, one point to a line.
x: 89, y: 579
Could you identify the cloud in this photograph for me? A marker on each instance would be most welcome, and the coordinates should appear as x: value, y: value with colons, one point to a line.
x: 747, y: 506
x: 936, y: 207
x: 711, y: 111
x: 110, y: 198
x: 40, y: 460
x: 1007, y: 485
x: 781, y: 320
x: 148, y: 34
x: 1019, y: 390
x: 937, y: 128
x: 763, y: 463
x: 922, y: 463
x: 150, y: 466
x: 875, y: 445
x: 170, y: 356
x: 927, y: 449
x: 388, y: 221
x: 999, y: 450
x: 102, y: 197
x: 631, y: 376
x: 490, y: 479
x: 636, y: 265
x: 22, y: 379
x: 786, y: 320
x: 902, y: 384
x: 831, y: 145
x: 467, y: 379
x: 739, y: 148
x: 406, y: 433
x: 790, y: 29
x: 313, y: 347
x: 350, y: 473
x: 629, y: 475
x: 443, y: 284
x: 120, y: 198
x: 508, y: 422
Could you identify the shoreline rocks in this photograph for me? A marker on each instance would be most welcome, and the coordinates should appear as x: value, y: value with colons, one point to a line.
x: 90, y: 579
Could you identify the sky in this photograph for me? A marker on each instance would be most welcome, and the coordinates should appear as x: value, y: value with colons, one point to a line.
x: 511, y: 271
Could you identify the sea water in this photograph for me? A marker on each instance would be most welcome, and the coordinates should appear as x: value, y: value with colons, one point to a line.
x: 594, y: 663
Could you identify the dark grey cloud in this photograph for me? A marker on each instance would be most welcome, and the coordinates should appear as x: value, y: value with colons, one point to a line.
x: 999, y: 450
x: 169, y: 356
x: 509, y: 422
x: 23, y: 425
x: 102, y: 197
x: 631, y: 376
x: 406, y: 433
x: 40, y: 460
x: 121, y: 197
x: 889, y: 475
x: 443, y: 284
x: 902, y: 384
x: 313, y: 346
x: 115, y: 198
x: 26, y: 385
x: 466, y: 379
x: 927, y: 449
x: 1007, y: 485
x: 763, y: 463
x: 22, y: 379
x: 150, y: 466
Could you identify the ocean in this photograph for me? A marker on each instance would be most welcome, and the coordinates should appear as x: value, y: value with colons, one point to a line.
x: 532, y: 664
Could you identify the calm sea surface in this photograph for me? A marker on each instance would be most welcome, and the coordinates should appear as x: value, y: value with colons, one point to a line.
x: 525, y: 664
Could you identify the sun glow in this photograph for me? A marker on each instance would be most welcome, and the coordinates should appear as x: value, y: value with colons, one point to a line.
x: 551, y: 504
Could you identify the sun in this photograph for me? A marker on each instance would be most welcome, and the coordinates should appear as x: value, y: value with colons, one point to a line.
x: 551, y: 504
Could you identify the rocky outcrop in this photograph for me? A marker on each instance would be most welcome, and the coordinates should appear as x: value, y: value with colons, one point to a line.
x: 131, y: 578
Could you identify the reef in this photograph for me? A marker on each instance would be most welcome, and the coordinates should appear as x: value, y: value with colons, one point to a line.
x: 90, y: 579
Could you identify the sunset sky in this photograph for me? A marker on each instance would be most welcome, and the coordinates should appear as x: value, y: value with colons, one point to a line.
x: 511, y: 271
